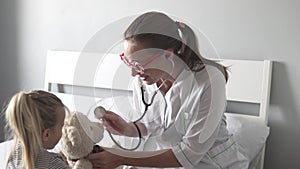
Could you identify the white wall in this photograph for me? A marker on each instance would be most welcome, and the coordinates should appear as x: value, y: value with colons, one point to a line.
x: 9, y: 77
x: 238, y: 29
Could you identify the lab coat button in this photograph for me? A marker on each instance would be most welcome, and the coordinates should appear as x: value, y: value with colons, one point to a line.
x: 186, y: 115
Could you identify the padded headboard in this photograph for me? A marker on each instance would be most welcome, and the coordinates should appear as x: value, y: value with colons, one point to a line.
x: 85, y: 69
x: 249, y: 81
x: 78, y: 78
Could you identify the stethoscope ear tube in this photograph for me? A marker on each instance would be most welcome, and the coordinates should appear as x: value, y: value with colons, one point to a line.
x: 145, y: 103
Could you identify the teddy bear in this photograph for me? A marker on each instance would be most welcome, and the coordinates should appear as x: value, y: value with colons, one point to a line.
x: 79, y: 136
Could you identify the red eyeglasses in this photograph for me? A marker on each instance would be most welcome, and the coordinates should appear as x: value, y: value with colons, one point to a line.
x: 139, y: 68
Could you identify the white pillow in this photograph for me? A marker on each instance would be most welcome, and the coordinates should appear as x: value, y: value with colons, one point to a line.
x: 250, y: 133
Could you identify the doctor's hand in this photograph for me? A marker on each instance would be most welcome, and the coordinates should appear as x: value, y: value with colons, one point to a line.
x: 107, y: 159
x: 116, y: 125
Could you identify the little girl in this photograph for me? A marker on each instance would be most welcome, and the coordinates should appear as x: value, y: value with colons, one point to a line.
x: 36, y: 120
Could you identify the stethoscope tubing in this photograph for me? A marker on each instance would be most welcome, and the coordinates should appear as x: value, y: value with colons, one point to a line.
x: 134, y: 122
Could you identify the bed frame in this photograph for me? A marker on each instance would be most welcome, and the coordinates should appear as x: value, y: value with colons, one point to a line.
x: 77, y: 77
x: 250, y: 82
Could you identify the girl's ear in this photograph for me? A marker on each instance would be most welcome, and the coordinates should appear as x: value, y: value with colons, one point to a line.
x: 46, y: 135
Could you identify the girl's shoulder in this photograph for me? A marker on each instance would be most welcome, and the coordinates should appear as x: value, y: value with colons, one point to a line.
x: 50, y: 160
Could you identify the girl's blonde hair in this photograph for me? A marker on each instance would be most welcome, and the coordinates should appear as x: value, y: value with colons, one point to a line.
x: 27, y: 116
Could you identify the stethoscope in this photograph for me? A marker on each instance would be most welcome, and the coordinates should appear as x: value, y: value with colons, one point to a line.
x: 100, y: 111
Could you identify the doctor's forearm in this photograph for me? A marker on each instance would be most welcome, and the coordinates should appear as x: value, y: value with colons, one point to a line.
x: 161, y: 158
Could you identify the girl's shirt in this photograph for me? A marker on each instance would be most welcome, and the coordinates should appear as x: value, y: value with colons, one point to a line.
x: 45, y: 160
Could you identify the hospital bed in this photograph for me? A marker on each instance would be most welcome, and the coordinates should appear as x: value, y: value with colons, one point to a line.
x: 85, y: 80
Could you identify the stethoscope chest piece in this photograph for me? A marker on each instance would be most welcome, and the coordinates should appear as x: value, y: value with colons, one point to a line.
x: 99, y: 112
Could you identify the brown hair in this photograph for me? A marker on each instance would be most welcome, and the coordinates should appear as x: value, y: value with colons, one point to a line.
x: 27, y: 115
x: 157, y: 30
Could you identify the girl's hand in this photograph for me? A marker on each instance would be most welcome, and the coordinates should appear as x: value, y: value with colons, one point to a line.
x: 63, y: 157
x: 105, y: 159
x: 116, y: 125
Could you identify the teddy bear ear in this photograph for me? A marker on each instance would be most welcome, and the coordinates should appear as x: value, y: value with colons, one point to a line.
x: 73, y: 135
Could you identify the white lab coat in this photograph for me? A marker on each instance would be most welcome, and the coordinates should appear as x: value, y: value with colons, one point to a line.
x: 190, y: 120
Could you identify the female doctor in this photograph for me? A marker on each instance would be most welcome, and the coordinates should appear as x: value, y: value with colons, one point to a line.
x: 183, y: 95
